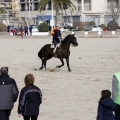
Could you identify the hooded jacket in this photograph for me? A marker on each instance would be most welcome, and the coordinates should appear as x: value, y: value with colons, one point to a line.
x: 8, y: 92
x: 105, y: 109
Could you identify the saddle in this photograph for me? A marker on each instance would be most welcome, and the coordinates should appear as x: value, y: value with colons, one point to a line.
x: 58, y: 45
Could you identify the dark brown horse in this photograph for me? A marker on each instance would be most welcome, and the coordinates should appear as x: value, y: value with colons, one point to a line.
x: 63, y: 51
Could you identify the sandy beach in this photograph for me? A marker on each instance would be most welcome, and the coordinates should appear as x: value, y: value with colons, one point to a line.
x: 66, y: 95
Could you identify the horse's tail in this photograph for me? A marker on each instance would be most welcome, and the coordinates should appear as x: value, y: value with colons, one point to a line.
x: 40, y: 54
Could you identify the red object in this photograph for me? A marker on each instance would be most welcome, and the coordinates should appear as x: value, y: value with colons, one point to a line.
x: 105, y: 29
x: 12, y: 30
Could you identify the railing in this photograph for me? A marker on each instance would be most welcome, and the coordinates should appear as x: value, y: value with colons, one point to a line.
x: 48, y: 8
x: 86, y: 8
x: 22, y: 9
x: 35, y: 9
x: 22, y: 0
x: 5, y: 0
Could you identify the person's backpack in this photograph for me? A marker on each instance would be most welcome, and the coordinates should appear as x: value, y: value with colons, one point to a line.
x: 52, y: 31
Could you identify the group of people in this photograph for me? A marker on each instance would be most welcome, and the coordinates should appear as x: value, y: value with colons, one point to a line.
x: 30, y: 96
x: 25, y: 30
x: 109, y: 108
x: 21, y: 30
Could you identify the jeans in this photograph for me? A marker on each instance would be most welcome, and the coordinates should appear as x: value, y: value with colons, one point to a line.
x: 5, y: 114
x: 55, y: 42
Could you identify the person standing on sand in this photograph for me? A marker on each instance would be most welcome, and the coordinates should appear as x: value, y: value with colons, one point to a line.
x: 30, y: 30
x: 116, y: 93
x: 30, y: 99
x: 106, y: 106
x: 8, y: 94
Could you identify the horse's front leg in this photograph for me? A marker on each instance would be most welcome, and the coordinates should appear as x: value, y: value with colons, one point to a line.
x: 44, y: 62
x: 61, y: 59
x: 67, y: 61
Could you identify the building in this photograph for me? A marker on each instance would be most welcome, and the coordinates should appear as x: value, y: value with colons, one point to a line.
x: 5, y: 17
x: 15, y: 12
x: 86, y: 11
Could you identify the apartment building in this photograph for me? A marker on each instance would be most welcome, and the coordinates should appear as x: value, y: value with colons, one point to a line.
x: 15, y: 8
x: 4, y: 17
x: 86, y: 11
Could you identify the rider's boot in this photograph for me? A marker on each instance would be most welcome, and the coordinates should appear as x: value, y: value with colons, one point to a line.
x: 54, y: 51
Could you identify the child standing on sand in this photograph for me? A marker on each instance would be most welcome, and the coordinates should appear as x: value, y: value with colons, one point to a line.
x: 106, y: 106
x: 30, y: 99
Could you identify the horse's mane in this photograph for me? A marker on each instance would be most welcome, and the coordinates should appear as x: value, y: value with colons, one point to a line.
x: 66, y: 38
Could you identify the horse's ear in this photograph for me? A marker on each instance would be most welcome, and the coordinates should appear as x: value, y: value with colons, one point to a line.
x: 73, y: 33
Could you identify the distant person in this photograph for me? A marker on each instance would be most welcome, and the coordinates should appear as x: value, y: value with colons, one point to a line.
x: 13, y: 31
x: 21, y: 31
x: 116, y: 93
x: 30, y: 30
x: 30, y: 99
x: 106, y: 106
x: 26, y: 30
x: 8, y: 28
x: 8, y: 94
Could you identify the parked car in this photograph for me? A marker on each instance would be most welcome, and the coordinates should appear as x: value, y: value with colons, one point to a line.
x: 35, y: 28
x: 97, y: 29
x: 63, y: 30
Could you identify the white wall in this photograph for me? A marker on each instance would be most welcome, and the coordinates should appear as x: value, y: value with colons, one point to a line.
x: 99, y: 6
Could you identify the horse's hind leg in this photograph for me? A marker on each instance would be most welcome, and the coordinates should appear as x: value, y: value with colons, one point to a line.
x: 61, y: 59
x: 67, y: 61
x: 42, y: 64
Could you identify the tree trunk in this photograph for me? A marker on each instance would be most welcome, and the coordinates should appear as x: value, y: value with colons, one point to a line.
x: 58, y: 16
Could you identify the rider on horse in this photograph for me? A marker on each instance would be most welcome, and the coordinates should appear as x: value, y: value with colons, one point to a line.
x: 56, y: 33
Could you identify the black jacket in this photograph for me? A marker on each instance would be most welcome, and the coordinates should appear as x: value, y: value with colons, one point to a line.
x: 57, y: 33
x: 8, y: 92
x: 105, y: 109
x: 30, y: 100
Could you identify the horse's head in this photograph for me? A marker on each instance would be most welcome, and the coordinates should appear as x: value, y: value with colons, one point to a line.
x: 72, y: 39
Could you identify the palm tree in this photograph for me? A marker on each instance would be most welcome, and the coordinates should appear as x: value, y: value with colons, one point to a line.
x: 2, y: 10
x: 58, y: 5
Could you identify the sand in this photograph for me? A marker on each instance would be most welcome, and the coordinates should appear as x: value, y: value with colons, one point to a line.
x: 66, y: 95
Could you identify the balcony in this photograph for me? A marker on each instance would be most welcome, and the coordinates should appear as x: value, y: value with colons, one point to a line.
x: 86, y: 8
x: 35, y: 9
x: 49, y: 8
x: 22, y: 0
x: 35, y: 0
x: 5, y: 0
x: 22, y: 9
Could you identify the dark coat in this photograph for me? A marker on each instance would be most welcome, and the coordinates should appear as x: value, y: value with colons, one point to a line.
x: 57, y: 33
x: 8, y: 92
x: 105, y: 109
x: 30, y: 100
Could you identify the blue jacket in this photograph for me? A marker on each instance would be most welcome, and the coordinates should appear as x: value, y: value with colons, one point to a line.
x: 105, y: 109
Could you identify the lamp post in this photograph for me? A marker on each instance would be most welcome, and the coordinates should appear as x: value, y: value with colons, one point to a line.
x: 29, y: 13
x: 52, y: 14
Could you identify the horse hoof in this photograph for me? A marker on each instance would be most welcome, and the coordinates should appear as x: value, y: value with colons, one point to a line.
x: 69, y: 70
x: 40, y: 68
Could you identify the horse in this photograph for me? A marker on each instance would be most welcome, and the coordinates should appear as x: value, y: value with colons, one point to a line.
x: 46, y: 52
